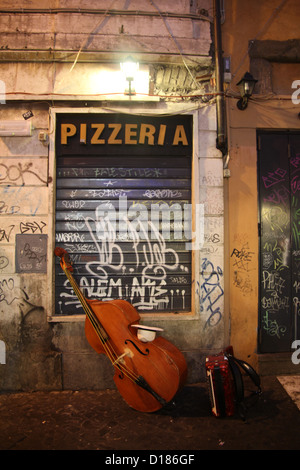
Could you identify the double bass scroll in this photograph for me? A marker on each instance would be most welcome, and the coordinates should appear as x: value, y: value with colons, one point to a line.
x: 147, y: 374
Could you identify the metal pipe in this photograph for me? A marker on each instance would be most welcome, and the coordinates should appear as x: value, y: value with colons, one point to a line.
x: 89, y: 11
x: 220, y: 99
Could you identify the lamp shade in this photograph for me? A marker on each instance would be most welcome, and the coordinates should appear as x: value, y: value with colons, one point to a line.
x: 246, y: 85
x: 129, y: 67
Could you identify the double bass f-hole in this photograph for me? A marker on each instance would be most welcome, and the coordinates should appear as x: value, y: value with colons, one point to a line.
x: 137, y: 348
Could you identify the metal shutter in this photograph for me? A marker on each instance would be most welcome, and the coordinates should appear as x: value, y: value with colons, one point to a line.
x: 116, y: 202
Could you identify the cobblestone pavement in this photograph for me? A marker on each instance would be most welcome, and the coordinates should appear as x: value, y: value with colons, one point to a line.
x: 90, y: 420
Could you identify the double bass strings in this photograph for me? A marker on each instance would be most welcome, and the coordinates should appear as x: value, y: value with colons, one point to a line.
x: 111, y: 353
x: 116, y: 360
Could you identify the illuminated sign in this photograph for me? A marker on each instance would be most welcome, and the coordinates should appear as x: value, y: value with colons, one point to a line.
x: 120, y: 131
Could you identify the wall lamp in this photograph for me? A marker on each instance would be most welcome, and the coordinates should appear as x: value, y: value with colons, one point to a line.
x: 129, y: 68
x: 246, y: 86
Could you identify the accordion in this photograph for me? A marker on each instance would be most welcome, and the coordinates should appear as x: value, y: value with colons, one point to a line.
x: 225, y: 383
x: 220, y: 385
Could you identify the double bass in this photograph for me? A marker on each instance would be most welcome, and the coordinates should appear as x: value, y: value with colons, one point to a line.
x: 147, y: 374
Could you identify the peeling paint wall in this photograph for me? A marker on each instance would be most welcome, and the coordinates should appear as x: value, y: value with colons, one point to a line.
x: 43, y: 354
x: 31, y: 361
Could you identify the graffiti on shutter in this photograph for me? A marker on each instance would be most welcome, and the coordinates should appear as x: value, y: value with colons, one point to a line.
x: 123, y: 209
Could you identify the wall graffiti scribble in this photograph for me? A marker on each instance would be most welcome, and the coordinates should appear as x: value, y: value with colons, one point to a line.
x: 16, y: 173
x: 210, y: 292
x: 242, y: 263
x: 7, y: 232
x: 14, y: 298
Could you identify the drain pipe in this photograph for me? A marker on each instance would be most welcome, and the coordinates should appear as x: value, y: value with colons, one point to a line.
x: 222, y: 145
x: 220, y: 100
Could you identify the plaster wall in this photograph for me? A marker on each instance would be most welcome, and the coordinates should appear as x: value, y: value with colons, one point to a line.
x: 242, y: 251
x: 42, y: 354
x: 46, y: 66
x: 266, y: 47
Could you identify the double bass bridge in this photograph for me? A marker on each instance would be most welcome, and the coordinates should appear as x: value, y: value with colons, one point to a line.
x: 120, y: 358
